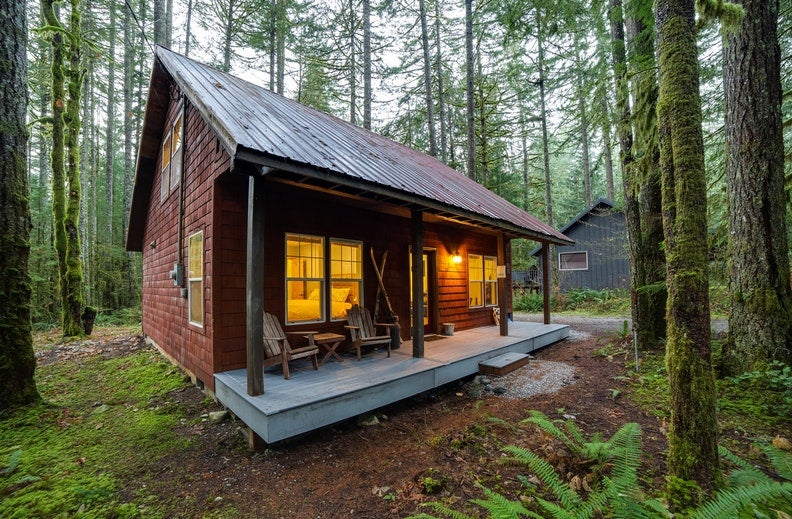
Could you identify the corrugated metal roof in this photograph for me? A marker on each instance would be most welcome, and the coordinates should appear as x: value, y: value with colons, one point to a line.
x: 253, y: 119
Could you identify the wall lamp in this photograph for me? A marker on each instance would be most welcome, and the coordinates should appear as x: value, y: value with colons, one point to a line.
x: 456, y: 259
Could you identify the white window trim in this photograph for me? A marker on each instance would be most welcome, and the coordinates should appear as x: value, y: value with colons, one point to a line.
x: 573, y: 252
x: 190, y: 280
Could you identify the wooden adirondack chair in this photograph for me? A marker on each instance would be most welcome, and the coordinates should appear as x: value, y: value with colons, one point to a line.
x: 277, y: 349
x: 363, y: 331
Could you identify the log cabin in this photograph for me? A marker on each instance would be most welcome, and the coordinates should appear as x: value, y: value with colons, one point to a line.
x: 247, y: 202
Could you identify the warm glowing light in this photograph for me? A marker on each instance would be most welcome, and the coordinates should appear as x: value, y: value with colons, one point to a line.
x: 456, y: 259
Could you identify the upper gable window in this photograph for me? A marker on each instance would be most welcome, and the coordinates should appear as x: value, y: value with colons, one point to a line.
x: 171, y: 156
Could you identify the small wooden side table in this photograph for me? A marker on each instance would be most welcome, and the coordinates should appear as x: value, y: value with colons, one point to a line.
x: 329, y: 342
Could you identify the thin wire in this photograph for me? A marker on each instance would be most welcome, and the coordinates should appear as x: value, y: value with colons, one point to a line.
x: 140, y: 27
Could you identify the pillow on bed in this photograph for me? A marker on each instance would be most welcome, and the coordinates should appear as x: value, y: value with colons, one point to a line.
x: 339, y: 295
x: 314, y: 296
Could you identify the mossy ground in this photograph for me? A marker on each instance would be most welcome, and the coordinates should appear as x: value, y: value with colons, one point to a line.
x: 101, y: 420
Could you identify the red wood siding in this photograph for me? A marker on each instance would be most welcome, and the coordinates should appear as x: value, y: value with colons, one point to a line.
x: 290, y: 210
x: 165, y: 313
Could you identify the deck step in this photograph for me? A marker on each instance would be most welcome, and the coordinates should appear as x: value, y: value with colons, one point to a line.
x: 503, y: 364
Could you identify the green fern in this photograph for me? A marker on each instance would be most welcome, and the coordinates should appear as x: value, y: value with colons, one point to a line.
x: 546, y: 473
x: 781, y: 460
x: 501, y: 507
x: 733, y: 499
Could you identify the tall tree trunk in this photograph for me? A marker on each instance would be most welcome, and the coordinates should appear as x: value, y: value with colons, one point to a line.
x: 760, y: 318
x: 584, y: 124
x: 441, y: 105
x: 367, y: 64
x: 280, y: 43
x: 160, y: 29
x: 545, y: 144
x: 607, y: 142
x: 169, y: 23
x: 273, y: 44
x: 75, y: 74
x: 17, y: 359
x: 352, y: 64
x: 471, y: 130
x: 645, y: 180
x: 227, y: 36
x: 110, y: 129
x: 693, y: 432
x: 187, y: 28
x: 631, y: 211
x: 427, y: 77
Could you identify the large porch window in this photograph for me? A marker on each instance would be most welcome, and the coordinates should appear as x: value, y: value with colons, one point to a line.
x: 346, y: 273
x: 482, y: 280
x: 305, y: 278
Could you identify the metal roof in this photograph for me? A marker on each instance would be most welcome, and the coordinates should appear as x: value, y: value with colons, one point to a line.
x: 601, y: 202
x: 260, y: 126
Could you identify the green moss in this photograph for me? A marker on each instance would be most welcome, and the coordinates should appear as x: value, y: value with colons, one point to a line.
x: 76, y: 455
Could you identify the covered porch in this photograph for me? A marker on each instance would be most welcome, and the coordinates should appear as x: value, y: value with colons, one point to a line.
x: 337, y: 391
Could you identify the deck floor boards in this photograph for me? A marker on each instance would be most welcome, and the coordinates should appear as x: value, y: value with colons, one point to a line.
x: 341, y: 390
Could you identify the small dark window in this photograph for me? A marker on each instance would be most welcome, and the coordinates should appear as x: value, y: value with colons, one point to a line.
x: 573, y: 260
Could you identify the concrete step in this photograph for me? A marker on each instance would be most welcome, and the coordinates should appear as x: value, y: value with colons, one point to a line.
x: 502, y: 364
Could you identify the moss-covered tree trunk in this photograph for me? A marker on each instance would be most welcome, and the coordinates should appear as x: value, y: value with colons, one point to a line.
x: 693, y: 432
x: 760, y: 322
x: 66, y: 69
x: 645, y: 177
x: 17, y: 361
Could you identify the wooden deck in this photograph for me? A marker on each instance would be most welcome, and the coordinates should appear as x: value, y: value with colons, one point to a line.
x: 341, y: 390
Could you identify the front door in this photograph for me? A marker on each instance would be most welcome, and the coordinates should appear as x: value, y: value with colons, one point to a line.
x: 429, y: 292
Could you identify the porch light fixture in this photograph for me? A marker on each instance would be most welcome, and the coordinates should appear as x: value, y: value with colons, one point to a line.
x: 456, y: 259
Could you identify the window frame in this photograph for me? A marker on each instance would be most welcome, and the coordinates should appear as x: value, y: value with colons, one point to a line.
x: 482, y: 280
x: 569, y: 253
x: 305, y: 279
x: 345, y: 280
x: 171, y: 172
x: 191, y: 279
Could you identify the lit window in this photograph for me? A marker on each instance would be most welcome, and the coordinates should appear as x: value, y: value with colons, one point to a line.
x: 346, y: 276
x: 482, y: 280
x: 171, y: 157
x: 573, y: 260
x: 305, y: 278
x: 195, y: 279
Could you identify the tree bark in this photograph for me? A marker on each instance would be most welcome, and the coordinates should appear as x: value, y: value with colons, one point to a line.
x: 110, y: 128
x: 441, y: 105
x: 760, y: 318
x: 17, y: 359
x: 352, y: 64
x: 645, y: 181
x: 160, y: 30
x: 471, y: 131
x: 188, y: 28
x: 367, y: 64
x: 427, y: 79
x: 607, y: 142
x: 693, y: 432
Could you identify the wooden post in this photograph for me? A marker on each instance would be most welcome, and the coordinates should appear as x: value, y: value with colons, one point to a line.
x: 255, y: 286
x: 503, y: 304
x: 546, y: 282
x: 417, y: 283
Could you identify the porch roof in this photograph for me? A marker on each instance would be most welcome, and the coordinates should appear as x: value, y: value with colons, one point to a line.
x: 278, y: 134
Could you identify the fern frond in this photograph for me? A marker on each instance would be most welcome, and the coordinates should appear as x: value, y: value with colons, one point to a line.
x: 543, y: 422
x: 500, y: 507
x: 547, y: 474
x: 574, y: 431
x: 556, y: 511
x: 781, y: 460
x: 443, y: 509
x: 730, y: 500
x: 733, y: 458
x: 746, y: 477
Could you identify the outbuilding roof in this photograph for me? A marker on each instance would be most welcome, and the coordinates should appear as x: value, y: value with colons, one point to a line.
x: 264, y: 128
x: 601, y: 203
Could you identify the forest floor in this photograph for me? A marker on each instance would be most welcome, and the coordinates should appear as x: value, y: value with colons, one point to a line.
x: 438, y: 446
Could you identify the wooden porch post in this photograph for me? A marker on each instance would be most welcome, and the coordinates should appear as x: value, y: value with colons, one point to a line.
x: 546, y: 282
x: 255, y: 286
x: 503, y: 304
x: 417, y: 283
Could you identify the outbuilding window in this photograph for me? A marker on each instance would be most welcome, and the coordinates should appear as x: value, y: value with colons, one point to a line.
x: 573, y: 260
x: 482, y: 280
x: 195, y: 279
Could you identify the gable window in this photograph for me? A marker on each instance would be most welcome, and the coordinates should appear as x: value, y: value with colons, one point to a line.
x: 305, y: 278
x: 482, y: 280
x: 573, y: 260
x: 171, y: 157
x: 346, y: 276
x: 195, y: 279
